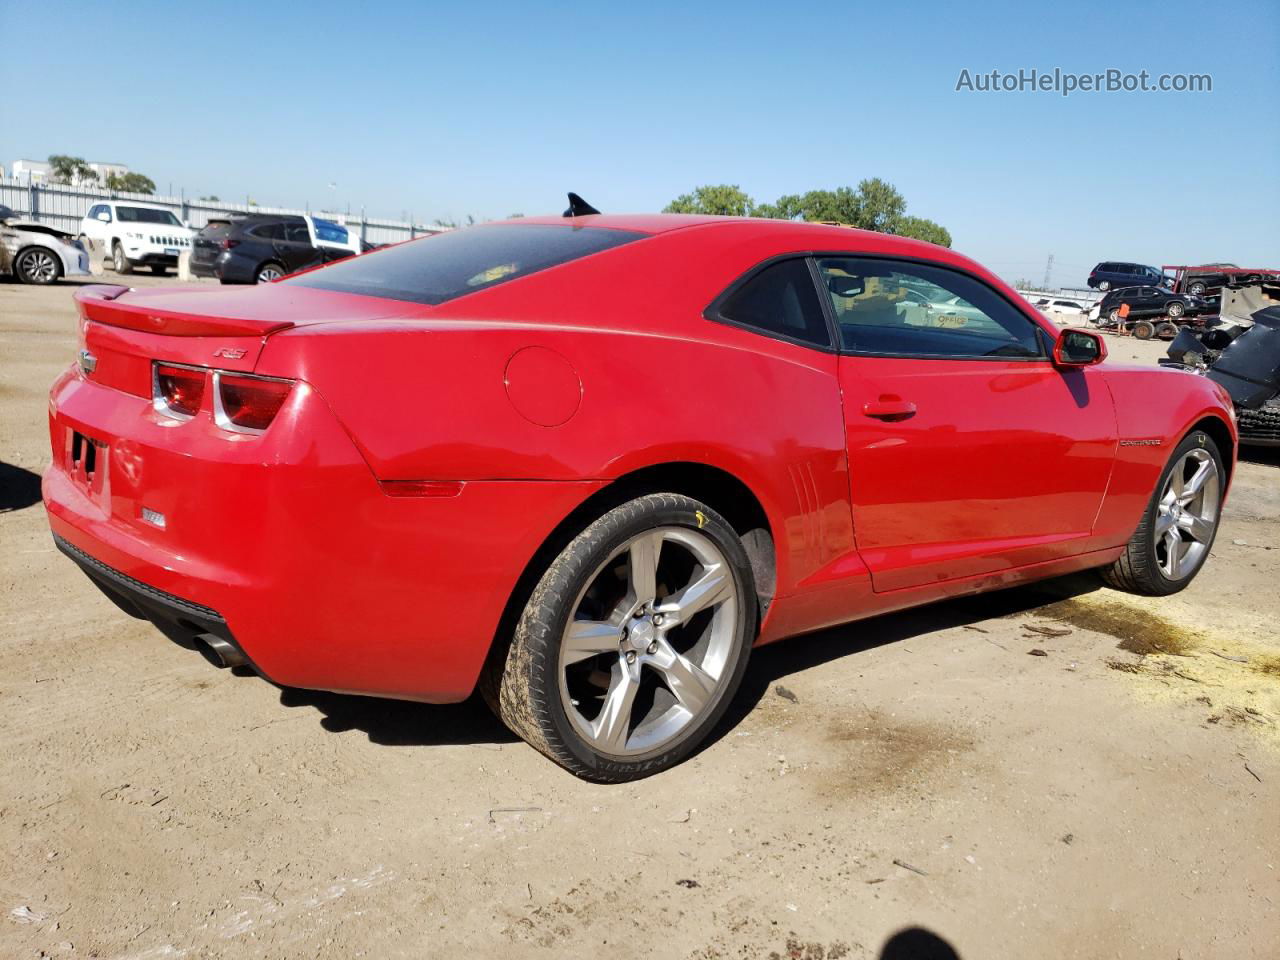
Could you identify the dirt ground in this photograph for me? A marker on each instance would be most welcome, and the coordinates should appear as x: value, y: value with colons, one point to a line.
x: 1118, y: 796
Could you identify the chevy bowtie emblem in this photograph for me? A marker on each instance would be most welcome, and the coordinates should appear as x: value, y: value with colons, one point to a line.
x: 230, y: 353
x: 88, y: 362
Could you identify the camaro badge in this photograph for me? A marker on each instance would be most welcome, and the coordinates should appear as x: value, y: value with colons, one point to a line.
x: 1141, y: 443
x: 230, y: 353
x: 88, y: 362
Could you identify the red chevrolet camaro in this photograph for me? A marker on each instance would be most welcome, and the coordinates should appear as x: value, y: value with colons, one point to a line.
x: 586, y: 464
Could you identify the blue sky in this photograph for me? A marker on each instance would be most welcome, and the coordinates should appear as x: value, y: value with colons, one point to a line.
x: 444, y: 110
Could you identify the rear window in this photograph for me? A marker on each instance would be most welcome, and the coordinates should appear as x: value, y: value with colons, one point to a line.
x: 329, y: 232
x: 216, y: 228
x: 453, y: 264
x: 147, y: 215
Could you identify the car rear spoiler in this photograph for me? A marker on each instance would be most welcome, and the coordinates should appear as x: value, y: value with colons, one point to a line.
x: 102, y: 303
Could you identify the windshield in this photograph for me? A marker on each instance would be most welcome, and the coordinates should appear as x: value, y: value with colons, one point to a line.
x: 448, y: 265
x: 147, y: 215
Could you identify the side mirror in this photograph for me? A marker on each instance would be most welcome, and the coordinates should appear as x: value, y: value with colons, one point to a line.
x: 845, y: 286
x: 1078, y: 348
x: 104, y: 216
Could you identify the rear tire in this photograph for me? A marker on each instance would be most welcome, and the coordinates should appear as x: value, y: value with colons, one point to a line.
x: 613, y: 686
x: 1144, y: 329
x: 1166, y: 330
x: 269, y: 272
x: 1197, y: 289
x: 38, y: 266
x: 119, y: 262
x: 1176, y: 308
x: 1105, y: 285
x: 1175, y: 522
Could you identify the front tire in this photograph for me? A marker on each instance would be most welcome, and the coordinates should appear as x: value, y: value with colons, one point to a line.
x: 1179, y: 525
x: 119, y: 262
x: 38, y: 266
x: 1176, y: 308
x: 633, y: 643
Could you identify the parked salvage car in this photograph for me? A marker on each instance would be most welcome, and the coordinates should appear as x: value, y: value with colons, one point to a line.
x: 1063, y: 308
x: 1153, y: 302
x: 1209, y: 278
x: 38, y: 253
x: 586, y: 464
x: 136, y: 235
x: 1244, y: 357
x: 1112, y: 274
x: 259, y: 248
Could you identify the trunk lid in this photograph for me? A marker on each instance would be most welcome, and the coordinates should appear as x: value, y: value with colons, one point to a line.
x: 122, y: 329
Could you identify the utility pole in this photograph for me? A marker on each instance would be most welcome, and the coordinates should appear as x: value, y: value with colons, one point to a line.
x: 1048, y: 272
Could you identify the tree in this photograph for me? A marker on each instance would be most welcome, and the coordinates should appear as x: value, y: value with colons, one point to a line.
x: 130, y: 183
x: 874, y: 205
x: 71, y: 170
x: 919, y: 228
x: 721, y: 199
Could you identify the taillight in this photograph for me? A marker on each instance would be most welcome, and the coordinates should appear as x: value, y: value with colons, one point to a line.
x: 178, y: 391
x: 228, y: 243
x: 244, y: 403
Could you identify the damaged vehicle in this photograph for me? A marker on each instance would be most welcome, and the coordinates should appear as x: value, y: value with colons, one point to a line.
x: 1242, y: 355
x: 38, y: 253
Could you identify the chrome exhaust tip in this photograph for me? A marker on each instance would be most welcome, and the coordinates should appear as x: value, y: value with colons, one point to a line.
x: 226, y: 654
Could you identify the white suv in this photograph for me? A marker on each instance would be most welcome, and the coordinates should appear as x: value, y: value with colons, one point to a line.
x: 136, y: 234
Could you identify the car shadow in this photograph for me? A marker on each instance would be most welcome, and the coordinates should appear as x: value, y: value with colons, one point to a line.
x: 399, y: 723
x: 19, y: 488
x: 777, y: 660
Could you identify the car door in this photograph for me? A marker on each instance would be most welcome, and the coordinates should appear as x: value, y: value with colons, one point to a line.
x: 1145, y: 302
x: 296, y: 250
x: 96, y: 229
x: 969, y: 452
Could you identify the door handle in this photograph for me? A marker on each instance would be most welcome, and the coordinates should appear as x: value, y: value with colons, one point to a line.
x: 889, y: 408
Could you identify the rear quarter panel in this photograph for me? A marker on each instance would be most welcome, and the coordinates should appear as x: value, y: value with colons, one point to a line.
x: 428, y: 398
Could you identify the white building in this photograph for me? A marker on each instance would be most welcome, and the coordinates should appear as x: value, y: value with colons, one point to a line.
x: 32, y: 171
x: 38, y: 171
x: 104, y: 170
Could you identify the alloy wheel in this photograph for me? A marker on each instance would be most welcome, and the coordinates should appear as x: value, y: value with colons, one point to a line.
x: 269, y: 273
x: 647, y: 649
x: 38, y: 266
x: 1187, y: 515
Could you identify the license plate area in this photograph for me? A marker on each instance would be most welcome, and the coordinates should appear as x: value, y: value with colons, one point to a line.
x: 171, y: 251
x: 87, y: 461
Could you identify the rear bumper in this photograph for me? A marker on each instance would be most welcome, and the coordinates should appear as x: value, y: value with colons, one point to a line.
x: 286, y: 546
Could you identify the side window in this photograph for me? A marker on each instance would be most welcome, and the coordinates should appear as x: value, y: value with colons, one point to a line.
x: 296, y: 232
x: 329, y: 232
x: 954, y: 316
x: 780, y: 300
x: 269, y: 231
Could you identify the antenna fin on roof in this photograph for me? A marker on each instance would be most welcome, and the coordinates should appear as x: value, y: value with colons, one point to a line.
x: 578, y: 207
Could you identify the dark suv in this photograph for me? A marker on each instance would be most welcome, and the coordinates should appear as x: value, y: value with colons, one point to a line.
x: 259, y: 248
x: 1115, y: 273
